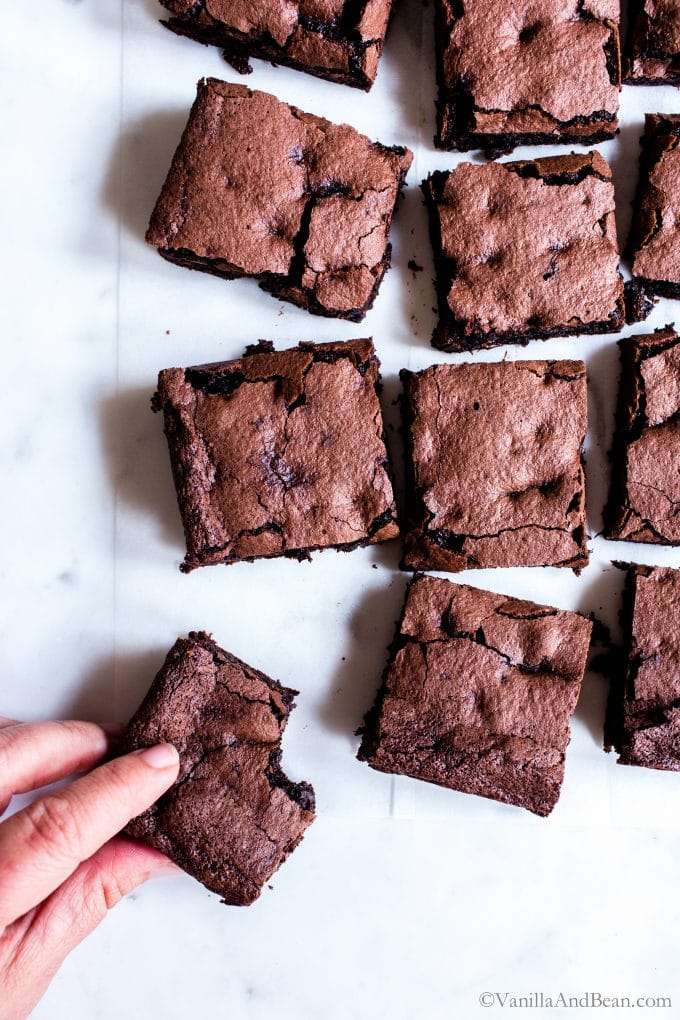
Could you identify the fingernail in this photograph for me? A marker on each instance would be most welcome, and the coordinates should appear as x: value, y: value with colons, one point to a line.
x: 162, y: 756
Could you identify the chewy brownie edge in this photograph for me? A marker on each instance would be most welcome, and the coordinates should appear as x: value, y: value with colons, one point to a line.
x: 232, y: 816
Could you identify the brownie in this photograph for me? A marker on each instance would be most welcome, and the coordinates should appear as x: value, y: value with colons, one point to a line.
x: 654, y: 242
x: 341, y: 40
x: 643, y: 709
x: 653, y: 43
x: 478, y: 694
x: 279, y: 452
x: 494, y: 465
x: 524, y: 251
x: 514, y: 73
x: 232, y: 817
x: 645, y: 490
x: 258, y: 188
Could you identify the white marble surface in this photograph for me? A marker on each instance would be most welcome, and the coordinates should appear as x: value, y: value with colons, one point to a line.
x: 403, y: 900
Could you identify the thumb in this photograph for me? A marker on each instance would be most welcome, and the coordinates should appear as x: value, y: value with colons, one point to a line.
x: 70, y: 914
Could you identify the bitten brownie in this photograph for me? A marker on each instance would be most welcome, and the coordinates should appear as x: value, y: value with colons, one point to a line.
x: 478, y: 694
x: 494, y: 465
x: 258, y: 188
x: 653, y: 44
x: 341, y: 40
x: 655, y: 233
x: 645, y: 492
x: 513, y: 73
x: 232, y: 817
x: 279, y: 452
x: 643, y: 710
x: 524, y: 251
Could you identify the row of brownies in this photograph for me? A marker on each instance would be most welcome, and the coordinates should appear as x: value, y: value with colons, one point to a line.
x: 509, y: 73
x: 477, y: 696
x: 523, y: 250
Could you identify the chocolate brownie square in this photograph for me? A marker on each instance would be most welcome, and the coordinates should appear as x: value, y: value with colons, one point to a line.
x: 655, y: 233
x: 279, y: 452
x: 341, y: 40
x: 232, y: 817
x: 653, y: 44
x: 494, y: 465
x: 478, y: 694
x: 514, y: 73
x: 645, y: 491
x: 643, y: 710
x: 258, y: 188
x: 524, y: 251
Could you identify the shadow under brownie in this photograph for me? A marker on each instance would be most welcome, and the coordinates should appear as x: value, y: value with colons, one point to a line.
x: 643, y: 709
x: 653, y: 43
x: 524, y: 251
x: 645, y: 491
x: 514, y: 73
x: 260, y: 189
x: 478, y: 694
x: 341, y: 40
x: 494, y: 465
x: 654, y: 242
x: 279, y: 453
x: 232, y: 817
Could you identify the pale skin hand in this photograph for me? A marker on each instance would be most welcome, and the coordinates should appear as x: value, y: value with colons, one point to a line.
x: 62, y: 866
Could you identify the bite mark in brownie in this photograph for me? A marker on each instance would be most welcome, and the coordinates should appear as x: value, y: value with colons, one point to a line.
x: 654, y: 242
x: 340, y: 40
x: 653, y: 43
x: 512, y: 73
x: 643, y: 709
x: 478, y: 694
x: 645, y: 493
x: 279, y: 453
x: 232, y: 816
x: 260, y: 189
x: 524, y: 251
x: 494, y: 465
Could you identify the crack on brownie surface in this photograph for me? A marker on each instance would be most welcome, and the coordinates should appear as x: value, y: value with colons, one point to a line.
x: 469, y: 112
x: 647, y: 433
x: 654, y: 236
x: 267, y: 495
x: 340, y: 48
x: 469, y: 676
x: 232, y: 816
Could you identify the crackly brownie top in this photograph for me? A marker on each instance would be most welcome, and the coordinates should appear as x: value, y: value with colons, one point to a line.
x: 643, y: 713
x: 647, y: 463
x: 279, y: 451
x: 333, y: 34
x: 655, y: 41
x: 496, y: 452
x: 656, y: 229
x: 529, y: 245
x: 485, y: 683
x: 544, y: 57
x: 271, y: 191
x: 231, y: 817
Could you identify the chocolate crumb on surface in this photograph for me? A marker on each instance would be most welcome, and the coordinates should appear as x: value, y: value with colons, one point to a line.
x: 478, y: 694
x: 260, y: 189
x: 232, y: 816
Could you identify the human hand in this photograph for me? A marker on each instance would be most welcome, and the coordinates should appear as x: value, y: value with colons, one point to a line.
x: 61, y: 869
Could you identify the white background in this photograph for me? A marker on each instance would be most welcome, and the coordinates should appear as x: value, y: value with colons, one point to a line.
x: 403, y: 900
